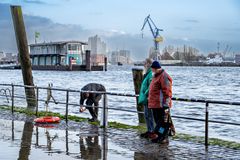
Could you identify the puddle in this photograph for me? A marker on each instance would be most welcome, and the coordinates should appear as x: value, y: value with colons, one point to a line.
x: 20, y: 139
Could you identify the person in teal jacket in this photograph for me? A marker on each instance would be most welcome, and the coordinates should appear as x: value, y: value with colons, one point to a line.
x: 143, y: 99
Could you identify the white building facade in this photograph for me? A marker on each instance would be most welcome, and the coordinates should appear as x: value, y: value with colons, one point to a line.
x: 98, y: 50
x: 121, y: 56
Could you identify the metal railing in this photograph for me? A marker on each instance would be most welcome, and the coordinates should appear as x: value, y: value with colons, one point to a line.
x: 10, y: 93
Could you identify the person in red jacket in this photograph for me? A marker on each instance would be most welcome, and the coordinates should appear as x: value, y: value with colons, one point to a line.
x: 160, y: 101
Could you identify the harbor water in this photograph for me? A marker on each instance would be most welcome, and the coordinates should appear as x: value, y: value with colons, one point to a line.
x: 218, y: 83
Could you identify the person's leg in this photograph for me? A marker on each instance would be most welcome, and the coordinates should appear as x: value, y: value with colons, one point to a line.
x: 96, y: 103
x: 162, y: 126
x: 149, y: 122
x: 89, y: 102
x: 159, y: 114
x: 148, y: 118
x: 156, y: 115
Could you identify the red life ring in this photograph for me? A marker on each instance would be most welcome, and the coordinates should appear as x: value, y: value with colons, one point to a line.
x: 47, y: 119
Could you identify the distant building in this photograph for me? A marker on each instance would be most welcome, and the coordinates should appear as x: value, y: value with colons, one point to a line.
x: 2, y: 55
x: 237, y: 58
x: 57, y: 53
x: 97, y: 59
x: 166, y: 56
x: 98, y: 50
x: 11, y: 57
x: 121, y: 56
x: 8, y: 57
x: 96, y: 45
x: 214, y: 60
x: 229, y: 59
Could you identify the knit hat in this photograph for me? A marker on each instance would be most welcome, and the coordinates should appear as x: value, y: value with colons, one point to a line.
x: 156, y: 65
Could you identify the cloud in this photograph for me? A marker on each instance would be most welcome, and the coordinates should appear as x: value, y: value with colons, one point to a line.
x: 185, y: 39
x: 115, y: 39
x: 191, y: 21
x: 49, y: 30
x: 95, y: 13
x: 182, y: 28
x: 34, y: 1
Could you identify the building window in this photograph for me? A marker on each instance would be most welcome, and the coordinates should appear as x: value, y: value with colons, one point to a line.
x: 72, y: 47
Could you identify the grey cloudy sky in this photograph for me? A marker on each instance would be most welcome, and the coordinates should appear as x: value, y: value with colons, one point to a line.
x: 198, y: 23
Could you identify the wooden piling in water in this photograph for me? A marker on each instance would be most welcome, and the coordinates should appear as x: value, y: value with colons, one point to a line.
x: 105, y: 63
x: 88, y: 60
x: 137, y: 80
x: 25, y: 62
x: 70, y: 68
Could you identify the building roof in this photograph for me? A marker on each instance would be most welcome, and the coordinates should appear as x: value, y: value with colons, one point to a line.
x: 57, y: 43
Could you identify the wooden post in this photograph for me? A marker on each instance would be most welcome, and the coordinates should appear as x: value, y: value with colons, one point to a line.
x: 105, y: 63
x: 25, y: 62
x: 137, y: 80
x: 26, y: 141
x: 88, y: 60
x: 70, y: 64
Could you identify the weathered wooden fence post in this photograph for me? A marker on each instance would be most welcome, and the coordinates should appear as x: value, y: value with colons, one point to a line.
x: 70, y: 66
x: 88, y: 60
x: 25, y: 62
x: 105, y: 63
x: 137, y: 80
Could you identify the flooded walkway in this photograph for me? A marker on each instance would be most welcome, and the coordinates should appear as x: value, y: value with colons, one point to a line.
x: 19, y: 138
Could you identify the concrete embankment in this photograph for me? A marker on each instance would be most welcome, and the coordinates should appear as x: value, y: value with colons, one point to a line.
x: 84, y: 140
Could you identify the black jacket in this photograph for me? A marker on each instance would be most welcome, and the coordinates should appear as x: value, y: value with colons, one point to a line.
x: 93, y: 96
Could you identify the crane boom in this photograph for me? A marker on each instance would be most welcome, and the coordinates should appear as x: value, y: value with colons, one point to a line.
x: 155, y: 32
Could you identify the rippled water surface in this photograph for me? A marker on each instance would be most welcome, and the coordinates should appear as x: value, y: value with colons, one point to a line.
x: 218, y: 83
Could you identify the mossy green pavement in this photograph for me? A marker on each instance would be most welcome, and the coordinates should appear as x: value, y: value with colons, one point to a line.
x: 139, y: 128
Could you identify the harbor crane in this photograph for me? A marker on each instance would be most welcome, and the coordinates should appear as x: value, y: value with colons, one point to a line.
x: 156, y: 35
x: 226, y: 51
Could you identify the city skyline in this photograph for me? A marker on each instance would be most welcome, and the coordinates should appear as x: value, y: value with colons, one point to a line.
x: 199, y: 24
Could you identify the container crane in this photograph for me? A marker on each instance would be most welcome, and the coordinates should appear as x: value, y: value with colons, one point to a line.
x: 156, y: 35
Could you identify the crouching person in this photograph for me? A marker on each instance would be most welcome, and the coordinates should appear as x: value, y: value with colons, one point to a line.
x: 91, y: 99
x: 160, y: 102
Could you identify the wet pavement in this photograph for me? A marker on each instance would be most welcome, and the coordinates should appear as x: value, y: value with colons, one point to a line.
x: 20, y: 139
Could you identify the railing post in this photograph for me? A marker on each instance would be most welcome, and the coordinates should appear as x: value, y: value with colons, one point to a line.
x: 12, y: 130
x: 206, y: 125
x: 37, y: 90
x: 104, y: 146
x: 12, y: 98
x: 37, y: 138
x: 67, y: 148
x: 104, y: 112
x: 66, y: 113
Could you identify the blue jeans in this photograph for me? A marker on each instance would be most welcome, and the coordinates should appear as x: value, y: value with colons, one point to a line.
x: 148, y: 118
